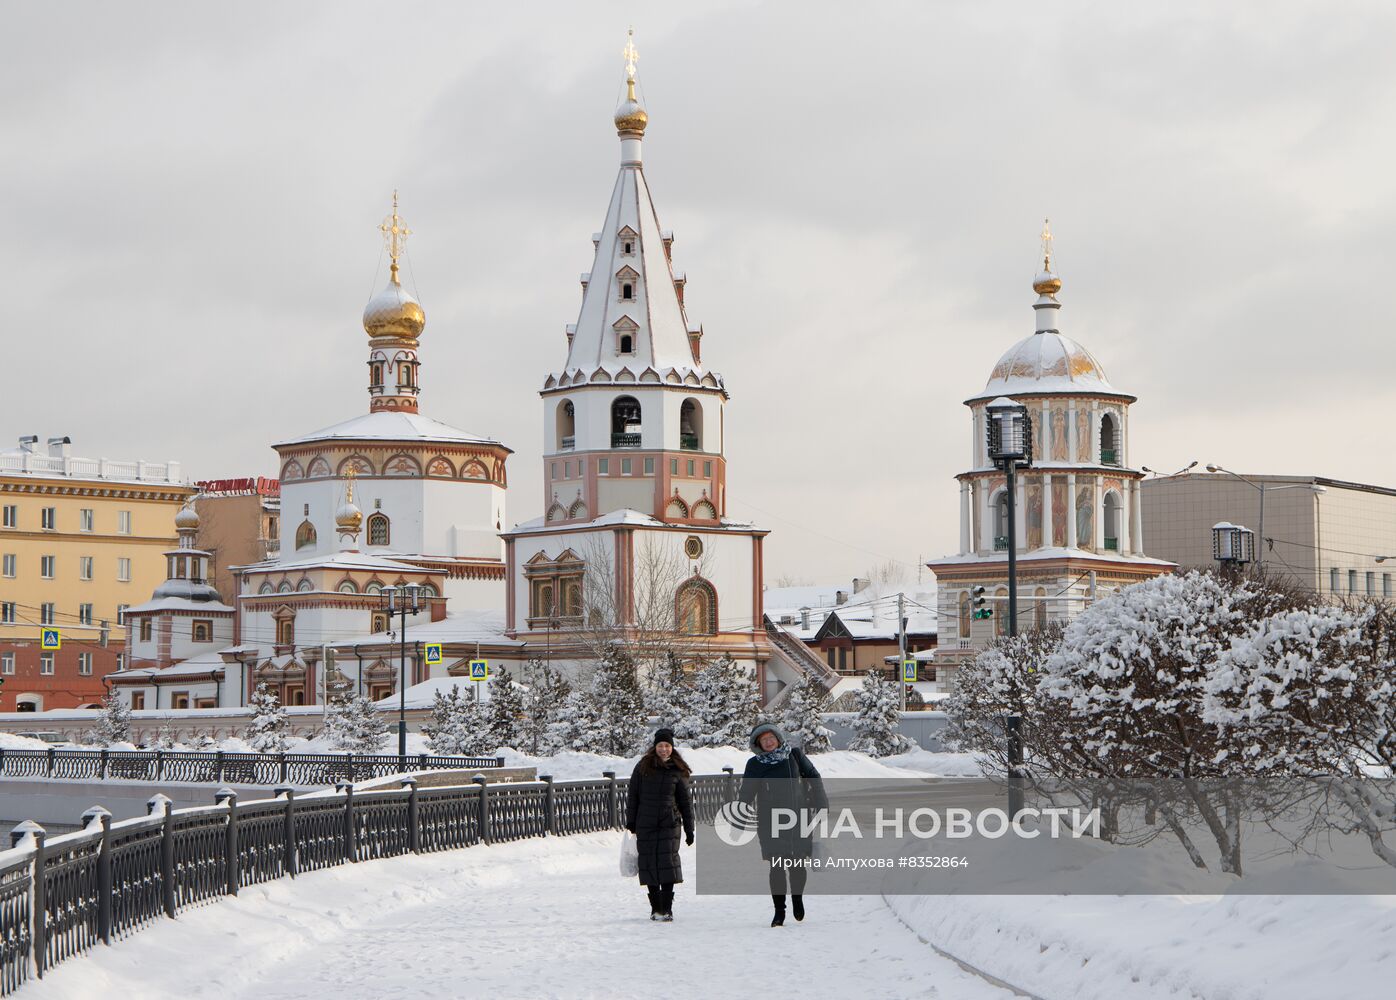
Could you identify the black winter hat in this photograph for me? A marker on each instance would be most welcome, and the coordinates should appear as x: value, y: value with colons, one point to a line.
x: 664, y: 736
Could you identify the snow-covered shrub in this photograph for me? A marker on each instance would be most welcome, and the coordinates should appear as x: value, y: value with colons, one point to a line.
x: 164, y: 738
x: 726, y: 704
x: 113, y: 725
x: 875, y: 727
x: 353, y: 724
x: 618, y: 720
x: 268, y: 729
x: 547, y: 690
x: 669, y: 697
x: 505, y: 709
x: 801, y: 716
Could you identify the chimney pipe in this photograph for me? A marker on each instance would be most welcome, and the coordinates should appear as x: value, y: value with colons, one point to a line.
x: 840, y: 597
x: 58, y: 447
x: 28, y: 441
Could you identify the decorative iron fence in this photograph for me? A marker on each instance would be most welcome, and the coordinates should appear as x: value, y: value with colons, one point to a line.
x: 222, y: 768
x: 62, y: 897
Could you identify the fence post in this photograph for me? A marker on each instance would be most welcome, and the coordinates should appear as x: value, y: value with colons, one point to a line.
x: 479, y: 779
x: 159, y: 804
x: 2, y: 760
x: 414, y: 842
x: 104, y: 877
x: 349, y: 762
x: 289, y: 828
x: 159, y: 764
x: 218, y: 766
x: 421, y: 762
x: 52, y: 753
x: 729, y: 784
x: 232, y: 867
x: 38, y: 917
x: 549, y: 804
x: 282, y: 774
x: 102, y: 764
x: 611, y: 801
x: 351, y: 849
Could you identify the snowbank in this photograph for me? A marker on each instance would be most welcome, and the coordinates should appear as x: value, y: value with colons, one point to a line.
x: 1176, y: 947
x: 942, y: 765
x: 9, y: 741
x: 711, y: 760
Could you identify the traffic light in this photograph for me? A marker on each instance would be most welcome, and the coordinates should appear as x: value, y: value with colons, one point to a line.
x: 978, y: 601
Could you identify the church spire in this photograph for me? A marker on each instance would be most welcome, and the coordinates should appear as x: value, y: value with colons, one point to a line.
x: 631, y: 118
x: 1046, y: 285
x: 394, y: 321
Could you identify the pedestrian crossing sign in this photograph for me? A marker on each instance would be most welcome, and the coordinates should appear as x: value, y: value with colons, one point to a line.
x: 433, y: 652
x: 908, y: 671
x: 479, y: 670
x: 51, y: 639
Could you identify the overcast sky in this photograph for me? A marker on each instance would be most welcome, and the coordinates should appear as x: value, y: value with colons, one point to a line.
x: 190, y: 194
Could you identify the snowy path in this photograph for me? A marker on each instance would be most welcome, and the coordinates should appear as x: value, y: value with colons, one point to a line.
x: 533, y: 919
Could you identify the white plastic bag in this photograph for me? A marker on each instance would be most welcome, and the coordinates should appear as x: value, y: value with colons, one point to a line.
x: 629, y: 856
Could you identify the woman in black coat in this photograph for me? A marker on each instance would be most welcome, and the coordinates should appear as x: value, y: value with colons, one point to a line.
x: 780, y: 776
x: 657, y: 803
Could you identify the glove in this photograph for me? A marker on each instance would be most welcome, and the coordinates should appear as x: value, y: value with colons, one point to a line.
x: 688, y: 839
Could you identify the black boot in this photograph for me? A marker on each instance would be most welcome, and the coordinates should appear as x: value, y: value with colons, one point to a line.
x: 666, y: 900
x: 656, y: 895
x: 779, y: 919
x: 797, y: 906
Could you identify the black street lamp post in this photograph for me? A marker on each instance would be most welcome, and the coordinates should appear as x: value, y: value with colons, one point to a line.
x: 1010, y: 448
x: 404, y: 601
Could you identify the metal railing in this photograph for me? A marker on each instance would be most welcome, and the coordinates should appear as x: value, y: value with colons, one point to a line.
x: 688, y: 442
x: 625, y: 440
x: 62, y: 897
x: 1112, y: 544
x: 223, y: 767
x: 1109, y: 456
x: 1000, y: 543
x: 568, y: 443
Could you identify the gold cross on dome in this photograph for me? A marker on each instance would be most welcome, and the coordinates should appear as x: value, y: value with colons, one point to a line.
x: 395, y: 233
x: 1047, y: 245
x: 631, y: 55
x: 349, y: 474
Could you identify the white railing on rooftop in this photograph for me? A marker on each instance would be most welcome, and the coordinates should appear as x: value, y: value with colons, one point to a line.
x: 35, y: 463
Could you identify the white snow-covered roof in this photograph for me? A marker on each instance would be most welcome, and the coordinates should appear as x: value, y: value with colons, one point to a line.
x: 181, y: 604
x: 390, y: 426
x: 336, y: 560
x: 871, y: 613
x: 1047, y: 362
x: 1037, y: 555
x: 200, y: 663
x: 484, y: 626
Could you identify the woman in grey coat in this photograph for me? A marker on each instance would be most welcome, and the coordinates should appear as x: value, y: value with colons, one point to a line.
x: 780, y: 776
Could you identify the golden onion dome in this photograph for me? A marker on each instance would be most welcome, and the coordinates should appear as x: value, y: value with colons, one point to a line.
x: 348, y: 518
x: 630, y: 116
x: 187, y: 519
x: 394, y: 313
x: 1046, y: 283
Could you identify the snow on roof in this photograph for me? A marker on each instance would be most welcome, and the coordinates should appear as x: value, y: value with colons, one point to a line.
x: 422, y: 695
x: 337, y: 560
x: 1046, y: 362
x: 485, y: 626
x: 391, y: 426
x: 181, y: 604
x: 870, y: 613
x: 1034, y: 555
x: 200, y: 663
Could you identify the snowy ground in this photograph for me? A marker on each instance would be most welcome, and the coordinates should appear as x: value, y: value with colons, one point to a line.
x: 533, y: 919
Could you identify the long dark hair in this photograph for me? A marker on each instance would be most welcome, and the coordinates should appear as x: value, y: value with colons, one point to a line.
x: 650, y: 762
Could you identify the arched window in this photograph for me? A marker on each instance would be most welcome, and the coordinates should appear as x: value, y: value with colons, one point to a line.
x: 627, y: 291
x: 577, y: 510
x: 966, y: 615
x: 375, y: 373
x: 1001, y: 521
x: 557, y: 512
x: 566, y: 425
x: 1109, y: 441
x: 305, y: 535
x: 676, y: 508
x: 373, y: 587
x: 695, y: 607
x: 266, y: 588
x: 305, y: 587
x: 428, y: 590
x: 627, y: 344
x: 285, y: 587
x: 703, y: 510
x: 1039, y: 608
x: 378, y: 533
x: 1112, y: 521
x: 348, y: 587
x: 691, y: 425
x: 625, y: 422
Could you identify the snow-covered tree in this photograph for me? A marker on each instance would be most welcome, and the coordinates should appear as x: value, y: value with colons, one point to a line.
x: 113, y: 725
x: 164, y: 738
x: 669, y: 696
x: 570, y: 726
x: 547, y: 690
x: 268, y: 729
x: 460, y: 725
x: 726, y: 705
x: 801, y: 718
x: 505, y: 709
x: 618, y: 723
x: 875, y: 727
x: 353, y: 724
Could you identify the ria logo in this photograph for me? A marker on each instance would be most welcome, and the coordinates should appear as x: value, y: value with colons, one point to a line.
x: 735, y: 823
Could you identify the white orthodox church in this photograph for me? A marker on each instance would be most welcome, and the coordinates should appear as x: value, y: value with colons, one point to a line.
x: 634, y: 535
x: 1077, y: 507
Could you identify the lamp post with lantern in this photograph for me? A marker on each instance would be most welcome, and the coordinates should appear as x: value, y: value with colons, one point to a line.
x: 1010, y: 448
x: 1233, y: 546
x: 404, y: 601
